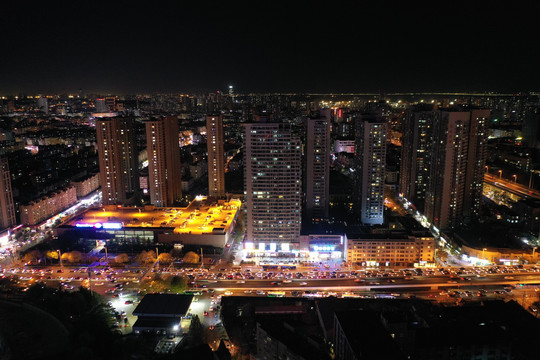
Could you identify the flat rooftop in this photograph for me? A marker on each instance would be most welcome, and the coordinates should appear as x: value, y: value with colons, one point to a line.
x: 163, y: 305
x: 200, y: 217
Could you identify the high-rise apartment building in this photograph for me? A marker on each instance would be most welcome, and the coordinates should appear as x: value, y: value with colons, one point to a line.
x: 164, y: 171
x: 415, y: 154
x: 7, y: 207
x: 370, y: 168
x: 43, y: 105
x: 117, y: 159
x: 110, y: 102
x: 316, y: 177
x: 216, y: 158
x: 457, y: 167
x: 101, y: 106
x: 272, y: 186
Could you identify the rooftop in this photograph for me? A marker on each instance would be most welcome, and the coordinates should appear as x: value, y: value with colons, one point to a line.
x: 163, y: 305
x: 366, y: 335
x: 201, y: 216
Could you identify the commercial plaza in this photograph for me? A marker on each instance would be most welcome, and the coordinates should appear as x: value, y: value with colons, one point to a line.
x: 203, y: 222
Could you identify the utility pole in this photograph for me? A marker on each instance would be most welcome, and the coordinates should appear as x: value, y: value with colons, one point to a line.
x: 202, y: 262
x: 90, y: 280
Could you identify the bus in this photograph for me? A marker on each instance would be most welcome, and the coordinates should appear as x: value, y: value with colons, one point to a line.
x: 276, y: 293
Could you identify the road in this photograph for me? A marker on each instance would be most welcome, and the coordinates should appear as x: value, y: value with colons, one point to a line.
x: 512, y: 187
x: 104, y: 281
x: 122, y: 287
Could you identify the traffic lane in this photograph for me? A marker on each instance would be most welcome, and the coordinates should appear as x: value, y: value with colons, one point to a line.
x: 377, y: 282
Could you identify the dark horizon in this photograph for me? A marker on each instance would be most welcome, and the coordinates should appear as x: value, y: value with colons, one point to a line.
x: 307, y: 47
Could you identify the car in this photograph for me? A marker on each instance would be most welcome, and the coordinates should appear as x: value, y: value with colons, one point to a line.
x: 211, y: 309
x: 274, y: 283
x: 303, y: 283
x: 128, y: 302
x: 212, y: 327
x: 205, y: 313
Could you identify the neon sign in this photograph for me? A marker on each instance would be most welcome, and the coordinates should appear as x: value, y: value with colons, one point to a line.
x: 107, y: 225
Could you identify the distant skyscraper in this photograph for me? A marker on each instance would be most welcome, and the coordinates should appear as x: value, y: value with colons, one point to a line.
x: 317, y: 154
x: 117, y: 159
x: 43, y: 105
x: 531, y: 127
x: 415, y: 154
x: 370, y: 168
x: 164, y: 171
x: 110, y: 102
x: 272, y: 186
x: 7, y: 208
x: 216, y: 158
x: 457, y: 167
x: 101, y: 106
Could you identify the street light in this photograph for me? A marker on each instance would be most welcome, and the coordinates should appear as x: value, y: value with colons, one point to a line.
x: 515, y: 178
x: 59, y: 257
x: 487, y: 169
x: 483, y: 251
x: 500, y: 174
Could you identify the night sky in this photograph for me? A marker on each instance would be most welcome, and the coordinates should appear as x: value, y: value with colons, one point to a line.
x: 348, y: 46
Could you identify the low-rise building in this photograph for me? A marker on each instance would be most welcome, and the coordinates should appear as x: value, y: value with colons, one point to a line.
x: 162, y: 313
x: 47, y: 206
x: 502, y: 256
x: 390, y: 249
x: 200, y: 223
x: 86, y: 185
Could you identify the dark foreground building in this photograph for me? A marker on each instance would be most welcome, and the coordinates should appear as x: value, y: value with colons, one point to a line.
x: 364, y: 329
x: 161, y: 313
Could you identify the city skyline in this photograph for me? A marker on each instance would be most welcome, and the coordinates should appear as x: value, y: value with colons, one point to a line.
x: 275, y: 47
x: 217, y: 180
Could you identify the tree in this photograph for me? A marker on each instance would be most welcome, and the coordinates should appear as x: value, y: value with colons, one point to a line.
x: 239, y: 228
x: 52, y: 254
x: 196, y: 330
x: 157, y: 284
x: 32, y: 256
x: 121, y: 258
x: 74, y: 257
x: 165, y: 258
x: 146, y: 257
x: 178, y: 284
x: 7, y: 285
x: 191, y: 258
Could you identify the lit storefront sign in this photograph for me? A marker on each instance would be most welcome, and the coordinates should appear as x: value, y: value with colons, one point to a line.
x: 4, y: 238
x: 108, y: 225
